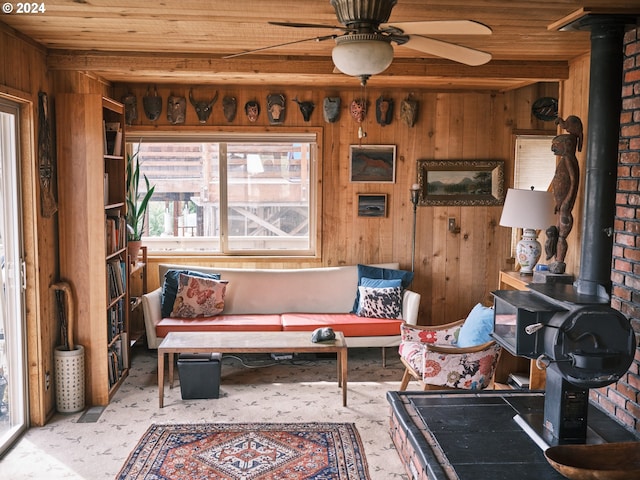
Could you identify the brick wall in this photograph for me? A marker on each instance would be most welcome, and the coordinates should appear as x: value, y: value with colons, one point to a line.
x: 622, y: 399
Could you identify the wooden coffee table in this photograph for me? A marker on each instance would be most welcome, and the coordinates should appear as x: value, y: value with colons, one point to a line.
x: 248, y: 342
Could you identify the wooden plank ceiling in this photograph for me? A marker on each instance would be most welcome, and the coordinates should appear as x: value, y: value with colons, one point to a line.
x: 184, y: 41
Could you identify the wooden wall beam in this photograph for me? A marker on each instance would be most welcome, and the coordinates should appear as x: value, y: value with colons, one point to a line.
x: 198, y: 69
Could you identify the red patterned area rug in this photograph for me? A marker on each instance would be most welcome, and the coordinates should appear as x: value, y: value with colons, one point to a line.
x: 248, y: 451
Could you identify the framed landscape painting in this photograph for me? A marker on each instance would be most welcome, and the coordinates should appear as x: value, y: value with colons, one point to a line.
x: 373, y: 163
x: 461, y: 182
x: 372, y: 205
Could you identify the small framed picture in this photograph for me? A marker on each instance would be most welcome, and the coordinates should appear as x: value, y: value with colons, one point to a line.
x: 373, y: 163
x: 372, y: 205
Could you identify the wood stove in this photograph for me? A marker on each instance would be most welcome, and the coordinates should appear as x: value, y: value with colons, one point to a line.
x: 571, y: 329
x: 578, y: 338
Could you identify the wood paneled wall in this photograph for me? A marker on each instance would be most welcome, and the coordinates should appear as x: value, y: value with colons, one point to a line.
x: 574, y: 94
x: 453, y: 271
x: 23, y: 74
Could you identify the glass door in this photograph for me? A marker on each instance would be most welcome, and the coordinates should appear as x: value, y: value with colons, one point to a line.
x: 13, y: 406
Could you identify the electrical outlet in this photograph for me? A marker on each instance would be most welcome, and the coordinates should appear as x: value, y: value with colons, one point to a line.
x: 47, y: 380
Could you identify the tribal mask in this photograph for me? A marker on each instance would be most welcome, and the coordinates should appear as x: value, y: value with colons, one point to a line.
x: 152, y: 104
x: 331, y: 109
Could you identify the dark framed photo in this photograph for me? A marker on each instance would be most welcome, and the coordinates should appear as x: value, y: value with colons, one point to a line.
x: 461, y: 182
x: 373, y: 163
x: 372, y: 204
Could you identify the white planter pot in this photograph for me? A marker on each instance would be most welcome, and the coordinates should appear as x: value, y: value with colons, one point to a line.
x: 69, y: 369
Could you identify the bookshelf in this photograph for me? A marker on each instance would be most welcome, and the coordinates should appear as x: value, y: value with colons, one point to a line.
x: 137, y: 287
x: 93, y: 246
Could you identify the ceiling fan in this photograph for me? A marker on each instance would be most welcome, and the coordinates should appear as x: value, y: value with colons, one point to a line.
x: 364, y: 48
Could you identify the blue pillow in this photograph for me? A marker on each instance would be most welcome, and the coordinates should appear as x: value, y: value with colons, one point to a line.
x: 380, y: 283
x: 477, y: 327
x: 366, y: 271
x: 170, y: 287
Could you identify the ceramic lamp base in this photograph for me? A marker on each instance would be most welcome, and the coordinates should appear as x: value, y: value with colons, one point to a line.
x: 528, y: 251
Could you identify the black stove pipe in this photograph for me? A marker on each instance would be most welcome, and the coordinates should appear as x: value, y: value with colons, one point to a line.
x: 607, y: 38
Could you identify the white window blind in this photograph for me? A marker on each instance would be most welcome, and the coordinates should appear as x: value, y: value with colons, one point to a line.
x: 535, y: 163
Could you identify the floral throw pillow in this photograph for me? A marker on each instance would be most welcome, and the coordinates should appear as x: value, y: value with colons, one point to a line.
x: 198, y: 297
x: 170, y: 287
x: 380, y: 302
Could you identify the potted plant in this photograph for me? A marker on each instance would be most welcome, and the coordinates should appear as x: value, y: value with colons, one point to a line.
x: 137, y: 204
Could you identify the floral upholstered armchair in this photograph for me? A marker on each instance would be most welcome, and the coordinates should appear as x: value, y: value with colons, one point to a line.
x: 455, y: 355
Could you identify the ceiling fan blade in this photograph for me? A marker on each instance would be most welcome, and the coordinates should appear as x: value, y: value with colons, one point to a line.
x: 457, y: 53
x: 439, y: 27
x: 309, y: 25
x: 317, y: 39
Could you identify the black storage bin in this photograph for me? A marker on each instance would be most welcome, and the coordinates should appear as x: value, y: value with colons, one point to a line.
x: 199, y: 375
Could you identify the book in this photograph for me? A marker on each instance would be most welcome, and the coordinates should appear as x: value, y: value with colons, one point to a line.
x: 106, y: 188
x: 111, y: 132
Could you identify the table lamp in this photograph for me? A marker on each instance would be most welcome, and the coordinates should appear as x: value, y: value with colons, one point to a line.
x: 530, y: 210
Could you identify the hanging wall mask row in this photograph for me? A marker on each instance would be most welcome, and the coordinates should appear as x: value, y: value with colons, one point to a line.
x: 176, y: 107
x: 276, y: 106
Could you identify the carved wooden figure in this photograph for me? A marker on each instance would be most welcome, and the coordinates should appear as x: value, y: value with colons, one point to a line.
x: 46, y: 165
x: 573, y: 125
x: 565, y: 188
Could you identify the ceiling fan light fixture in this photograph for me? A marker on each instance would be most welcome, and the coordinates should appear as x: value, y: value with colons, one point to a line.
x: 363, y: 12
x: 362, y: 55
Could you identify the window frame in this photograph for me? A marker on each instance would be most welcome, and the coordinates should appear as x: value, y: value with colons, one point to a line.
x: 135, y: 134
x: 516, y: 233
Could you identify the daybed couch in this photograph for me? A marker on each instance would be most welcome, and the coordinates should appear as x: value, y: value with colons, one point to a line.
x: 290, y: 300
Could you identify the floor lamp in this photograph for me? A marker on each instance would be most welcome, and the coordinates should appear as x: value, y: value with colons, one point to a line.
x: 415, y: 193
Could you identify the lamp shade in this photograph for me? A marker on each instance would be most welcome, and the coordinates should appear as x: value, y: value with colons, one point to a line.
x: 362, y: 54
x: 528, y: 209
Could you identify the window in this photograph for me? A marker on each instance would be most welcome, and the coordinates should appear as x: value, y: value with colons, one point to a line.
x: 534, y: 166
x: 535, y: 163
x: 230, y: 193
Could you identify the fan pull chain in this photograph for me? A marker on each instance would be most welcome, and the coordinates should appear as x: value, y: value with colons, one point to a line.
x: 362, y: 133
